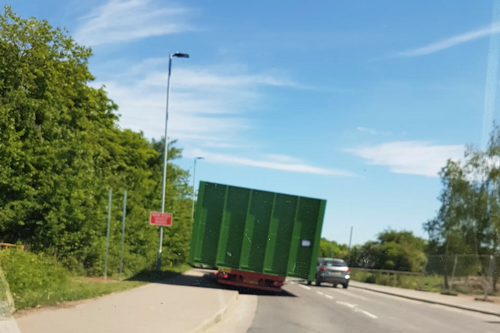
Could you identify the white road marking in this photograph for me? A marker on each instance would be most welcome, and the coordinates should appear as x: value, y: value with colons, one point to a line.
x: 356, y: 309
x: 319, y: 293
x: 348, y: 293
x: 352, y: 306
x: 371, y: 315
x: 328, y: 296
x: 305, y: 287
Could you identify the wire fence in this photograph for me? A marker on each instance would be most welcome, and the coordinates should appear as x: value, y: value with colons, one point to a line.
x: 460, y: 274
x: 464, y: 274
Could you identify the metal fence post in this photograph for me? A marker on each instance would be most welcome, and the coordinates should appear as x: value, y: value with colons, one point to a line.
x: 489, y: 276
x: 107, y: 236
x: 123, y: 232
x: 453, y: 272
x: 424, y: 270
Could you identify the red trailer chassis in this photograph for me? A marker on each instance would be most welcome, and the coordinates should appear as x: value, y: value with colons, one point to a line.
x: 249, y: 279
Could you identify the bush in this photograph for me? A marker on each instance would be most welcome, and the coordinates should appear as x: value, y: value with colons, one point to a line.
x: 34, y: 274
x: 38, y: 279
x: 371, y: 279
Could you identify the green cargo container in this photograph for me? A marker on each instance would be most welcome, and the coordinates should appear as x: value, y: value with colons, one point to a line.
x: 256, y: 231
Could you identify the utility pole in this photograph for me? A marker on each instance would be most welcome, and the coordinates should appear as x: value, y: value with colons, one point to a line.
x: 349, y: 253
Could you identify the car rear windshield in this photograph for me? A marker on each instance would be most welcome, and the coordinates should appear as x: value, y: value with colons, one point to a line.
x: 335, y: 263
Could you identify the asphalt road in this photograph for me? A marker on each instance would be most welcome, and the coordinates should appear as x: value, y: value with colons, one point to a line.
x: 325, y: 309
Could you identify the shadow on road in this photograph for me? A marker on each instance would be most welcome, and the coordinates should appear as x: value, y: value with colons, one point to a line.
x: 322, y: 285
x: 493, y: 322
x: 153, y: 276
x: 207, y: 280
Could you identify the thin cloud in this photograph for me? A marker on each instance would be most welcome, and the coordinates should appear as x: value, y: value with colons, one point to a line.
x: 450, y: 42
x: 125, y: 20
x: 208, y: 107
x: 223, y: 145
x: 282, y: 158
x: 267, y: 163
x: 410, y: 157
x: 203, y: 79
x: 372, y: 131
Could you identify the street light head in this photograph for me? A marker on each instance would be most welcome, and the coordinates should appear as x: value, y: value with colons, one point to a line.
x: 180, y: 55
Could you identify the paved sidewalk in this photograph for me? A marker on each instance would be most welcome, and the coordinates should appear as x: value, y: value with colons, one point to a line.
x: 187, y: 303
x: 460, y: 302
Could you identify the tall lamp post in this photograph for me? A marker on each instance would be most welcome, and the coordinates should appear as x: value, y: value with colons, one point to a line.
x: 194, y: 183
x: 165, y: 152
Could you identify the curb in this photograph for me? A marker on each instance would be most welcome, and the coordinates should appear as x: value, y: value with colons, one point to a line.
x: 222, y: 313
x: 429, y: 301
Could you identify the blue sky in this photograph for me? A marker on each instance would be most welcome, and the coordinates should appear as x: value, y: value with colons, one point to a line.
x: 359, y: 103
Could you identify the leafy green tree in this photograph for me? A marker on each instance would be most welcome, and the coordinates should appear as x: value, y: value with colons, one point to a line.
x: 393, y: 250
x: 61, y: 150
x: 331, y: 249
x: 468, y: 221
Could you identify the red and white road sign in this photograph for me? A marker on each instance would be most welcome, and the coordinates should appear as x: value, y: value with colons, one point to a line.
x: 160, y: 219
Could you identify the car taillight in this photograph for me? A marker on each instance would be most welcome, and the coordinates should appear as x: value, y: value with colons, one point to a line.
x: 347, y: 270
x: 322, y: 268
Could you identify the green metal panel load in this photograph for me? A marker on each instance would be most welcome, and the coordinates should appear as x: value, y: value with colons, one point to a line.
x: 256, y: 231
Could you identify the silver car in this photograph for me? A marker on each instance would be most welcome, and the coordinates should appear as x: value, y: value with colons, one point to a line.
x: 333, y: 271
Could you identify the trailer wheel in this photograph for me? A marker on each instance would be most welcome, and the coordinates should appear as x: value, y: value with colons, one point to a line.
x: 334, y: 285
x: 318, y: 282
x: 309, y: 283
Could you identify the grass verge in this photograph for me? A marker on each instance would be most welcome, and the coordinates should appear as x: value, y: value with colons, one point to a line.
x: 38, y: 280
x: 76, y: 288
x: 428, y: 283
x: 432, y: 283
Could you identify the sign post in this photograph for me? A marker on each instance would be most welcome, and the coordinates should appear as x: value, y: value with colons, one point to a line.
x: 161, y: 220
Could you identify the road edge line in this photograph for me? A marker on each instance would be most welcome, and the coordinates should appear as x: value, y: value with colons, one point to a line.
x: 222, y: 313
x: 429, y: 301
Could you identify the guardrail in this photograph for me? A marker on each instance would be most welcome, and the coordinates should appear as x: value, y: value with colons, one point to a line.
x: 392, y: 276
x: 7, y: 245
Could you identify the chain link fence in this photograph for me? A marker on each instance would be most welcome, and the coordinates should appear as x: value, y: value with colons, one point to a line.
x: 463, y: 274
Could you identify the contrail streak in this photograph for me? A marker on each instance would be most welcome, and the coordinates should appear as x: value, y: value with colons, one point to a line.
x: 491, y: 77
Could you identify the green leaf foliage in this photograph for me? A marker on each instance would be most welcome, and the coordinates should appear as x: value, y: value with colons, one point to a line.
x: 393, y: 250
x: 468, y: 220
x: 61, y: 150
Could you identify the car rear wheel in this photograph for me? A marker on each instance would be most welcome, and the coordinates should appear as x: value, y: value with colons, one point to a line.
x: 345, y: 285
